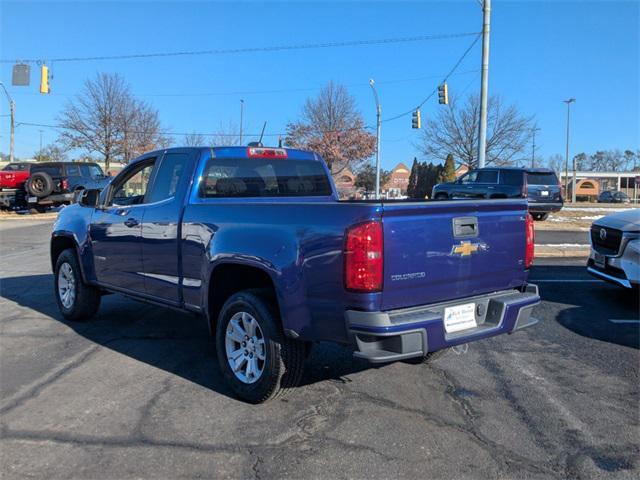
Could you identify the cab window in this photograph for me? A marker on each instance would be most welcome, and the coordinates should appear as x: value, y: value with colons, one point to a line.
x: 132, y: 187
x: 167, y: 179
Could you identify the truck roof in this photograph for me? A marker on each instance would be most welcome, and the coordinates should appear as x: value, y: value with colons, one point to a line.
x: 245, y: 152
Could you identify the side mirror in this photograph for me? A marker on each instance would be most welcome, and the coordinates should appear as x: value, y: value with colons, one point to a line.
x: 88, y: 198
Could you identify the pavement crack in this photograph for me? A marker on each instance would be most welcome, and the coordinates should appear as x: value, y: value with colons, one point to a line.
x: 34, y: 390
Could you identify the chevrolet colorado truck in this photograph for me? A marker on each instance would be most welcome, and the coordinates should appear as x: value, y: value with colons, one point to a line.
x: 255, y: 241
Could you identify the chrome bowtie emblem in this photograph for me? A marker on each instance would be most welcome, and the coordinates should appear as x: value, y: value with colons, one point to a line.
x: 603, y: 234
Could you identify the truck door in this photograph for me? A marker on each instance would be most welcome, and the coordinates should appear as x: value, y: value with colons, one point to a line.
x: 161, y: 225
x: 116, y: 229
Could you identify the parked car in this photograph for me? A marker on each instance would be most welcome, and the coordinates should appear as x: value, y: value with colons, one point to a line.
x: 615, y: 248
x: 540, y: 186
x: 55, y: 183
x: 12, y: 179
x: 256, y: 242
x: 613, y: 196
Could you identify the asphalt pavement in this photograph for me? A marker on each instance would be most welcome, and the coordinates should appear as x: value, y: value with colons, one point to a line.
x: 136, y: 393
x: 561, y: 237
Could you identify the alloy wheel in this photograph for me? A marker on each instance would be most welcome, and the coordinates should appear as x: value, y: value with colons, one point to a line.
x: 66, y: 285
x: 245, y: 347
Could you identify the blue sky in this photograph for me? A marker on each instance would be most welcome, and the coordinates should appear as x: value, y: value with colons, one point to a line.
x: 541, y: 53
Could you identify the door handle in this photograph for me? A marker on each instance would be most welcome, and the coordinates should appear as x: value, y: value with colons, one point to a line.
x: 131, y: 222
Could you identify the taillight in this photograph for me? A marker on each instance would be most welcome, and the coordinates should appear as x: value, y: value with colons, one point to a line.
x: 530, y: 242
x: 363, y: 257
x: 64, y: 184
x: 525, y: 187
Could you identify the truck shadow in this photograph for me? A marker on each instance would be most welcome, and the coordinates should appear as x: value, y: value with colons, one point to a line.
x: 172, y: 341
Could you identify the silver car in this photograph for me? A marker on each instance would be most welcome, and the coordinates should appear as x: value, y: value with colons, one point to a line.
x: 615, y: 248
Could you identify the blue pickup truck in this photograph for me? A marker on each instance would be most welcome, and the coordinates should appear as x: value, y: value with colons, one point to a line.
x: 255, y: 241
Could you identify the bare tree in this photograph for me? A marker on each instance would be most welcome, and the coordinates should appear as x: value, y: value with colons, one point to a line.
x: 556, y: 163
x: 331, y: 125
x: 455, y: 130
x: 105, y: 119
x: 227, y: 135
x: 52, y: 153
x: 193, y: 140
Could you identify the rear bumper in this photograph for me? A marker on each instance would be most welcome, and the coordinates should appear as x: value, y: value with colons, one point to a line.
x: 414, y: 332
x: 539, y: 207
x: 51, y: 199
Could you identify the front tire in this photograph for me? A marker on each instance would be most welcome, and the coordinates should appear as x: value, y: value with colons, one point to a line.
x: 76, y: 300
x: 255, y: 357
x: 541, y: 217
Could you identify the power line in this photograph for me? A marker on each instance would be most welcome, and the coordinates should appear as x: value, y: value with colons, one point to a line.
x: 457, y: 64
x: 204, y: 134
x: 277, y: 48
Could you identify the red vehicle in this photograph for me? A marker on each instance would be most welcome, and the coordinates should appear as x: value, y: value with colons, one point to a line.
x: 12, y: 179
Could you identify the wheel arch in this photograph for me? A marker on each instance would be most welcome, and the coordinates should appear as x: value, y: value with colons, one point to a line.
x: 61, y: 241
x: 228, y: 278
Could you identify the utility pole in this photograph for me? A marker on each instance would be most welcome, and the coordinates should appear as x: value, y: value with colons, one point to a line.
x: 378, y: 112
x: 241, y: 114
x: 484, y: 83
x: 533, y: 147
x: 566, y: 158
x: 12, y: 110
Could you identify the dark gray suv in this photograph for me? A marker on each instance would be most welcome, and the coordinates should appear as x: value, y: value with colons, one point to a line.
x: 539, y: 185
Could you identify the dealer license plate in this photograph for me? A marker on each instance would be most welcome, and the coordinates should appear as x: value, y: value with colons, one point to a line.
x: 33, y: 199
x: 460, y: 317
x: 599, y: 260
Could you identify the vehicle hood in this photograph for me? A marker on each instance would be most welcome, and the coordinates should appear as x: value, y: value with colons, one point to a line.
x: 627, y: 221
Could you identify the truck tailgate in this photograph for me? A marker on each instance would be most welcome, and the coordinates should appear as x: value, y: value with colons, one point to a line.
x: 426, y: 262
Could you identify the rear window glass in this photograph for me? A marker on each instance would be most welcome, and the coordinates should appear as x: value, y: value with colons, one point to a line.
x: 542, y: 179
x: 51, y: 170
x: 263, y: 177
x: 511, y: 177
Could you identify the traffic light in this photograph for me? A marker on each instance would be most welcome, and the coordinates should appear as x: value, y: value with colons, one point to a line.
x: 443, y: 94
x: 44, y: 79
x: 416, y: 122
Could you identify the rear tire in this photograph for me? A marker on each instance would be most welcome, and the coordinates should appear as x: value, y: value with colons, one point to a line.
x: 249, y: 332
x: 76, y: 300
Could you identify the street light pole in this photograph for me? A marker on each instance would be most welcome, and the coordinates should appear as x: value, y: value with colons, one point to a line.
x: 566, y: 158
x: 12, y: 111
x: 533, y: 147
x: 241, y: 114
x: 378, y: 112
x: 484, y: 83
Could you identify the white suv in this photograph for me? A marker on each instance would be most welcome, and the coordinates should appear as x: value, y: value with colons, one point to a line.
x: 615, y: 248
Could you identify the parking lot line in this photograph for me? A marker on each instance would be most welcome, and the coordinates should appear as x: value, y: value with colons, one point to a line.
x: 564, y: 280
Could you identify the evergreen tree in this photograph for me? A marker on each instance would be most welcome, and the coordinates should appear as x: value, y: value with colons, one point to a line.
x: 449, y: 170
x: 413, y: 179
